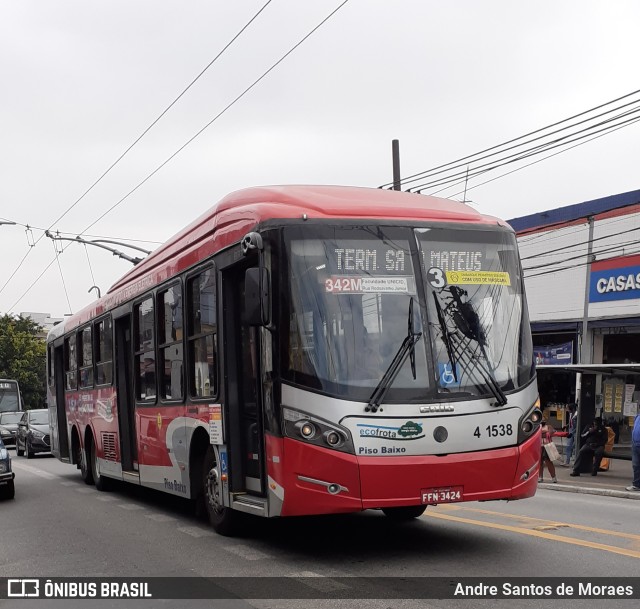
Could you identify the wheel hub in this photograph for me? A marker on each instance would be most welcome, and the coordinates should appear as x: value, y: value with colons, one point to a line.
x: 214, y: 497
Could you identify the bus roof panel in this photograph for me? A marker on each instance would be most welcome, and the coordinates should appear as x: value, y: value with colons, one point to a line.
x: 241, y: 211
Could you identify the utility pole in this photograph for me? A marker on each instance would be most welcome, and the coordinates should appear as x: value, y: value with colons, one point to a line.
x: 395, y: 154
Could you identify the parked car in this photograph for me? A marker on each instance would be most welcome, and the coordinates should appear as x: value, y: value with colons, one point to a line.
x: 33, y: 433
x: 9, y: 426
x: 7, y: 488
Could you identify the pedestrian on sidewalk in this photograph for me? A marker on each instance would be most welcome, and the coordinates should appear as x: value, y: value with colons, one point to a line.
x: 547, y: 434
x: 635, y: 455
x: 571, y: 430
x: 593, y: 450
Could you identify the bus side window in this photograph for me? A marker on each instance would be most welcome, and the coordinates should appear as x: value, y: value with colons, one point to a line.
x: 70, y: 363
x: 202, y: 334
x: 103, y: 352
x: 170, y: 349
x: 145, y: 351
x: 86, y: 359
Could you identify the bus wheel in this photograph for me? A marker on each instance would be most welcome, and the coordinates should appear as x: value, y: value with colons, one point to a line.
x: 222, y: 519
x: 85, y: 470
x: 404, y: 513
x: 102, y: 483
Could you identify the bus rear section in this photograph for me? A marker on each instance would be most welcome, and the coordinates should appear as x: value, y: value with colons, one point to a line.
x: 10, y: 397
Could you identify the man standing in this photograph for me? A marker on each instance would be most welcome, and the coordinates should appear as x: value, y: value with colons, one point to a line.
x: 593, y: 449
x: 635, y: 454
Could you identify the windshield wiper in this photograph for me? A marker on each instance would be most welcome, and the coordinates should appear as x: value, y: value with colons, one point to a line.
x: 468, y: 324
x: 406, y: 348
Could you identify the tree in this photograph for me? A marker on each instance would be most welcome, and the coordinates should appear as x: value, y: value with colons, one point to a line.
x: 23, y: 355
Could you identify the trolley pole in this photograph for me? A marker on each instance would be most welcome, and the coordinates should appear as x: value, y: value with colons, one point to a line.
x: 395, y: 154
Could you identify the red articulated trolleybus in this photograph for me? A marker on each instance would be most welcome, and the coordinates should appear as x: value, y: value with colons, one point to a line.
x: 305, y: 350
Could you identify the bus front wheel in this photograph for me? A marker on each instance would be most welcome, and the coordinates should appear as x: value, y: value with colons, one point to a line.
x: 223, y: 519
x: 404, y: 513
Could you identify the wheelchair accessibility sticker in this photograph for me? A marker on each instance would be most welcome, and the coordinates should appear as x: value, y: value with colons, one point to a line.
x: 446, y: 377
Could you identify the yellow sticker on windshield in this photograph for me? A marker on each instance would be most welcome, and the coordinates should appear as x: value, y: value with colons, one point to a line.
x: 478, y: 278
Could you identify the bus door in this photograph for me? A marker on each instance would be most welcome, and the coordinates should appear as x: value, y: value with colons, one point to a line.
x: 124, y: 389
x: 243, y: 394
x: 59, y: 431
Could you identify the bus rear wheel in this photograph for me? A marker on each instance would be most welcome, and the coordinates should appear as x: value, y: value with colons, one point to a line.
x: 85, y: 470
x: 102, y: 483
x: 223, y: 519
x: 405, y: 513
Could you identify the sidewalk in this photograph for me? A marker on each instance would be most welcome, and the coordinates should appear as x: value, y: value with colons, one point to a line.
x: 611, y: 483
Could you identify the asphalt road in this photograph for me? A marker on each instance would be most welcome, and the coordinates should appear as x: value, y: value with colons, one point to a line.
x: 58, y: 526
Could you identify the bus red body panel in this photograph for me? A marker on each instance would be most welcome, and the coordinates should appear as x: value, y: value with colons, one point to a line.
x: 486, y: 475
x: 303, y: 497
x: 376, y: 482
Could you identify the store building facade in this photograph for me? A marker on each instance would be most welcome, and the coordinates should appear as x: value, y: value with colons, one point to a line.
x: 582, y: 275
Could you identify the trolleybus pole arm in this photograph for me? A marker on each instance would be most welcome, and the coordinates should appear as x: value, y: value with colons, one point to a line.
x: 115, y: 252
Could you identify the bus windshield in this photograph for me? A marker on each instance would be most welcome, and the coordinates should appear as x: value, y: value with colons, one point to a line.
x: 9, y: 397
x: 347, y: 312
x: 477, y: 313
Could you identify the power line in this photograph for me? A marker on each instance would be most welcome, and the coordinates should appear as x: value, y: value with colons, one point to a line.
x: 104, y: 174
x: 539, y: 147
x: 519, y: 156
x: 561, y: 249
x: 538, y: 161
x: 215, y: 118
x: 468, y: 157
x: 164, y: 112
x: 193, y: 138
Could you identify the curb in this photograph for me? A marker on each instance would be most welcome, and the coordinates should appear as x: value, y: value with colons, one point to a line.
x: 607, y: 492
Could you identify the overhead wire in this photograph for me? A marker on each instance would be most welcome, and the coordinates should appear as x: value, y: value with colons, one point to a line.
x: 538, y: 147
x: 104, y: 174
x: 497, y: 146
x: 215, y: 118
x: 513, y: 158
x: 238, y: 98
x: 538, y: 161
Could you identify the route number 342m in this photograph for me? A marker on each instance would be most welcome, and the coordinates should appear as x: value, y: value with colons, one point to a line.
x: 493, y: 431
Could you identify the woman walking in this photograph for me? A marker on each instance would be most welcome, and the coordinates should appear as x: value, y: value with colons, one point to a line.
x: 547, y: 434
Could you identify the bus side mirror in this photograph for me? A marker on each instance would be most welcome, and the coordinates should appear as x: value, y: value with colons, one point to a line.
x: 256, y: 297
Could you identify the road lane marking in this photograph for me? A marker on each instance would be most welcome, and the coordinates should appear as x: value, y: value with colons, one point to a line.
x: 547, y: 522
x: 130, y: 506
x: 317, y: 581
x: 246, y: 552
x: 531, y: 533
x: 84, y: 489
x: 106, y: 498
x: 33, y: 470
x: 196, y: 531
x: 160, y: 517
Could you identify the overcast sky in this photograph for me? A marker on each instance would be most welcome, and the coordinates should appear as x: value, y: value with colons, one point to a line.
x: 81, y: 80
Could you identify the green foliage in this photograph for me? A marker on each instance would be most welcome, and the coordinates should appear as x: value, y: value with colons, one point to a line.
x: 23, y: 358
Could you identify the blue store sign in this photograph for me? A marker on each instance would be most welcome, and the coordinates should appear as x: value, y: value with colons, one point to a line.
x: 615, y: 284
x: 554, y: 354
